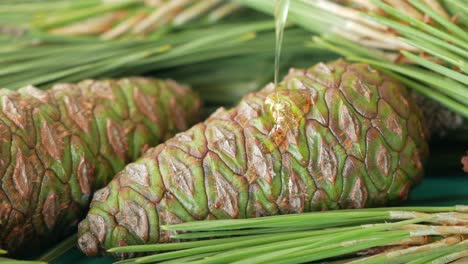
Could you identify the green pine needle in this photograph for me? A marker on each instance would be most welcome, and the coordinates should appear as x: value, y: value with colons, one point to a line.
x: 59, y: 249
x: 15, y: 261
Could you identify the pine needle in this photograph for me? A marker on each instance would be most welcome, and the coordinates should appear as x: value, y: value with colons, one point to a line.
x: 15, y: 261
x: 59, y: 249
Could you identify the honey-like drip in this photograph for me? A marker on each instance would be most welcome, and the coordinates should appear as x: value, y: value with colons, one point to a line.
x: 280, y: 110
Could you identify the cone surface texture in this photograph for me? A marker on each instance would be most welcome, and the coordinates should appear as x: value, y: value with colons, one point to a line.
x: 58, y: 146
x: 337, y: 135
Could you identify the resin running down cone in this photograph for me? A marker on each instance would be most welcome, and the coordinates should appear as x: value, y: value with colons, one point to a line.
x: 60, y: 145
x: 337, y: 135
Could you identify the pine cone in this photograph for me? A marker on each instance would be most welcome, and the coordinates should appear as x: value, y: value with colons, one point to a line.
x: 58, y: 146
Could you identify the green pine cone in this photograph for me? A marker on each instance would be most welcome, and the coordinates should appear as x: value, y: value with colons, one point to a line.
x: 60, y: 145
x: 337, y: 135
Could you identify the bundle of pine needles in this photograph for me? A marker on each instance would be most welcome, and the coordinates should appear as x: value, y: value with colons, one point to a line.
x: 43, y: 60
x: 113, y: 18
x: 382, y: 235
x: 422, y: 43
